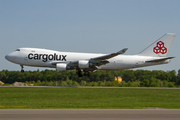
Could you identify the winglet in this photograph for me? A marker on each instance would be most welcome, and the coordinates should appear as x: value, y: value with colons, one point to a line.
x: 119, y: 52
x: 122, y: 51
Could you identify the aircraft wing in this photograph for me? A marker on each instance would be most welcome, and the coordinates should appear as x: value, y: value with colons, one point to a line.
x: 102, y: 60
x: 98, y: 61
x: 110, y: 55
x: 94, y: 62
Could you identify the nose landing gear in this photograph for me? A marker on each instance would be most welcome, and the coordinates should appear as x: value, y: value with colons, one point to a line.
x: 22, y: 68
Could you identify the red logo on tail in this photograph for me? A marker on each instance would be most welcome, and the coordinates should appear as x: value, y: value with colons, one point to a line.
x: 160, y: 48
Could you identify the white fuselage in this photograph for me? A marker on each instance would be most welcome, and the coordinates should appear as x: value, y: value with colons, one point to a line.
x: 45, y: 58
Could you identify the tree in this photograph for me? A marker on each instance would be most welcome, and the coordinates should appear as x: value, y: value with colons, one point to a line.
x: 145, y: 83
x: 146, y: 78
x: 154, y: 82
x: 178, y: 78
x: 83, y: 83
x: 2, y: 76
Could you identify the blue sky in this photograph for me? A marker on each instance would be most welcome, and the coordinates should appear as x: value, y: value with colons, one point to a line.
x: 94, y: 26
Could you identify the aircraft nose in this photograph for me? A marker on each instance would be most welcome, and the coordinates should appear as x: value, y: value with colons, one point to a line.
x: 9, y: 57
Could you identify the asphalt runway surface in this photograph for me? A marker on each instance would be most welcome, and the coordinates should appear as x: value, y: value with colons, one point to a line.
x: 89, y: 114
x: 96, y: 87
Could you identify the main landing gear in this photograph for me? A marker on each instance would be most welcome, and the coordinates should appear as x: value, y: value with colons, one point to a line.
x: 22, y: 68
x: 80, y: 74
x: 86, y: 73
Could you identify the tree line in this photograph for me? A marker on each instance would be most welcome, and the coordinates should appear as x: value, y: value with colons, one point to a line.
x: 131, y: 78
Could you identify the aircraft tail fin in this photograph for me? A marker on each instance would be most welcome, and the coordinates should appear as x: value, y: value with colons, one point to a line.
x: 160, y: 47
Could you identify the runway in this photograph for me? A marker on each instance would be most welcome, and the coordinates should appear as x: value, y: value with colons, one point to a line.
x: 89, y: 114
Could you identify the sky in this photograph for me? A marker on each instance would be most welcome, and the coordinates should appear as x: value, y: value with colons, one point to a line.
x: 92, y: 26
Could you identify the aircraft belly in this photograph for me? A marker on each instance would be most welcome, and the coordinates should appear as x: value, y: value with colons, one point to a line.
x: 37, y: 63
x: 119, y: 65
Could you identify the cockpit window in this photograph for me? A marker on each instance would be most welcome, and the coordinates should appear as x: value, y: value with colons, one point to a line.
x: 17, y: 49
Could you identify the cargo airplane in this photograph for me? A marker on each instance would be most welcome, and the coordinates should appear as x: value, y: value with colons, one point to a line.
x: 155, y: 54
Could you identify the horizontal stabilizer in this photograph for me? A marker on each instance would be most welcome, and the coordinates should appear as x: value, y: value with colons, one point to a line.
x: 159, y: 60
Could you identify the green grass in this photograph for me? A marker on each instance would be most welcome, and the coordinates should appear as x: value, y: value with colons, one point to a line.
x: 41, y: 98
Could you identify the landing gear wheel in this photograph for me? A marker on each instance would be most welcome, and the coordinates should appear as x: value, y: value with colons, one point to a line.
x: 79, y: 73
x: 22, y: 68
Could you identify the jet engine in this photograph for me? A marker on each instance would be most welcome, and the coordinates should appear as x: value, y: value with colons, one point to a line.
x: 61, y: 67
x: 83, y: 64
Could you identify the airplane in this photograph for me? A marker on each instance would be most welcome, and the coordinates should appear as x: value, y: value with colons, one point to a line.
x: 83, y: 63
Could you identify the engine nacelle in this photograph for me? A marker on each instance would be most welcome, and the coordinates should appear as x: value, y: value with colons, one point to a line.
x: 61, y: 67
x: 83, y: 64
